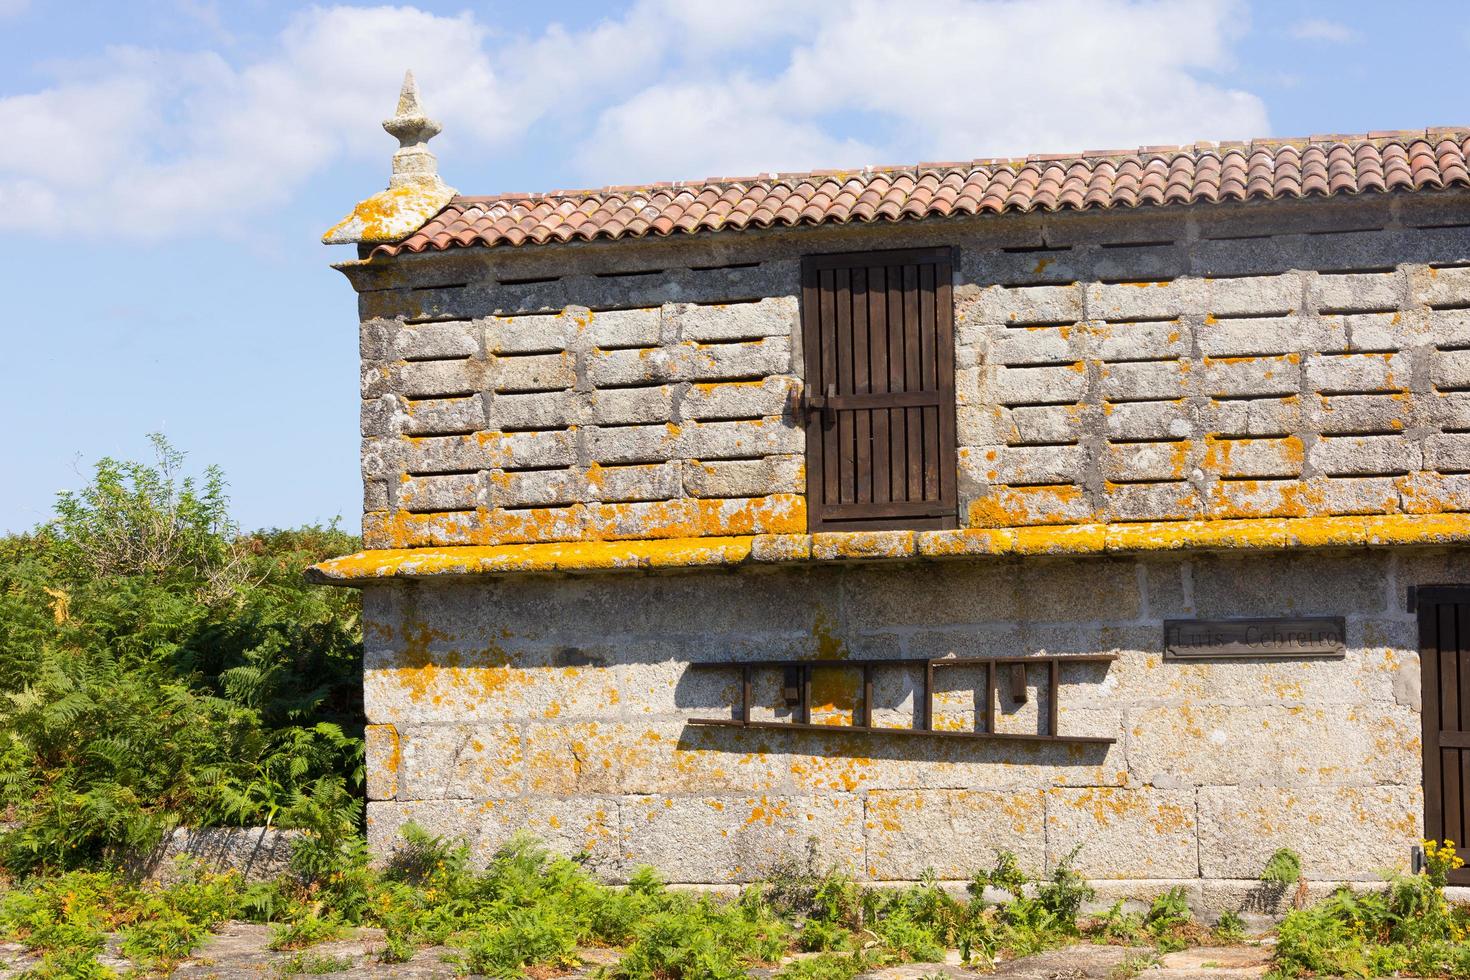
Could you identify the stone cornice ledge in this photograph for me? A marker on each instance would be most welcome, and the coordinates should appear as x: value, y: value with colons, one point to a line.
x: 1262, y: 534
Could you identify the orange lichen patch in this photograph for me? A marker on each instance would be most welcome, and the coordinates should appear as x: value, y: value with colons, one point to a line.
x: 836, y: 692
x: 391, y: 215
x: 1060, y: 540
x: 1073, y: 539
x: 1178, y: 535
x: 948, y: 544
x: 1022, y: 506
x: 1417, y: 529
x: 1264, y: 498
x: 863, y: 544
x: 1426, y: 493
x: 1105, y: 804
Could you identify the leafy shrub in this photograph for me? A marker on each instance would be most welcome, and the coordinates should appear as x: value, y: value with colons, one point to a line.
x: 1229, y: 927
x: 1168, y: 916
x: 1283, y: 868
x: 157, y: 666
x: 1065, y: 892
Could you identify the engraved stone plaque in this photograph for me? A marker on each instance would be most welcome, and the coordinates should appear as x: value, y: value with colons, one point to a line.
x: 1243, y: 639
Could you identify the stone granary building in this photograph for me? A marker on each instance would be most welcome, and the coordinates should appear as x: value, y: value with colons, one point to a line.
x: 1115, y: 502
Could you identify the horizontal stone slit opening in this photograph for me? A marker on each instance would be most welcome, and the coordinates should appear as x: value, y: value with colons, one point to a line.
x: 1154, y: 244
x: 531, y: 391
x: 529, y: 280
x: 1041, y: 443
x: 1462, y: 264
x: 434, y: 318
x: 1360, y: 433
x: 729, y: 418
x: 1235, y: 238
x: 424, y: 473
x: 632, y: 385
x: 1349, y: 310
x: 1339, y: 392
x: 1459, y: 304
x: 1455, y: 430
x: 1040, y: 404
x: 1171, y: 482
x: 501, y: 354
x: 1141, y: 320
x: 540, y: 468
x: 1360, y: 474
x: 1357, y: 270
x: 1453, y: 346
x: 1125, y: 281
x: 445, y: 395
x: 602, y: 348
x: 632, y: 425
x: 431, y: 358
x: 730, y: 379
x: 1453, y: 470
x: 755, y: 338
x: 1248, y: 437
x: 1266, y: 315
x: 1141, y: 360
x: 1028, y: 249
x: 727, y: 265
x: 426, y: 511
x: 1441, y: 224
x: 1347, y: 231
x: 1451, y: 389
x: 442, y: 285
x: 444, y: 434
x: 1033, y: 324
x: 1126, y: 399
x: 740, y: 301
x: 513, y: 429
x: 1037, y: 279
x: 1148, y: 441
x: 628, y: 275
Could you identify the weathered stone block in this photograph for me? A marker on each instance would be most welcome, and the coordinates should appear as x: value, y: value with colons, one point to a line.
x: 1036, y: 345
x: 1257, y: 336
x: 1451, y: 369
x: 542, y: 410
x: 1346, y: 832
x: 1448, y: 452
x: 1039, y: 465
x: 1039, y: 385
x: 628, y: 406
x: 1194, y: 744
x: 652, y: 481
x: 1440, y: 286
x: 440, y: 338
x: 738, y: 399
x: 460, y: 761
x: 1149, y: 460
x: 1041, y: 424
x: 1170, y: 501
x: 1125, y: 301
x: 1357, y: 373
x: 1031, y: 304
x: 744, y: 477
x: 535, y: 372
x: 742, y: 360
x: 1234, y: 376
x: 533, y: 488
x: 953, y: 832
x: 1149, y: 339
x: 622, y: 328
x: 1253, y: 295
x: 633, y: 443
x: 740, y: 440
x: 774, y: 316
x: 436, y: 379
x: 1134, y: 380
x: 1168, y: 419
x: 1334, y: 414
x: 536, y: 333
x: 1123, y: 833
x: 431, y: 416
x: 1362, y: 455
x: 737, y: 838
x: 1358, y: 291
x: 1243, y: 457
x: 459, y: 491
x: 1268, y: 416
x: 1289, y: 584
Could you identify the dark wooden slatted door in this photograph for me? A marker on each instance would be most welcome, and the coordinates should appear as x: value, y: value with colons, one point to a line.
x: 1444, y: 652
x: 878, y: 339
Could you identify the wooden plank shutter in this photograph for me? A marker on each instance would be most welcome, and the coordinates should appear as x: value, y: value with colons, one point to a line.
x: 1444, y: 662
x: 878, y: 339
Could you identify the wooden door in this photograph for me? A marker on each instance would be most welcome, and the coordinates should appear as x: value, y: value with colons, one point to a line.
x: 1444, y: 652
x: 878, y: 340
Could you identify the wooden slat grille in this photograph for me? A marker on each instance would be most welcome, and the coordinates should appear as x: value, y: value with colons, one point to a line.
x: 1444, y: 650
x: 878, y: 335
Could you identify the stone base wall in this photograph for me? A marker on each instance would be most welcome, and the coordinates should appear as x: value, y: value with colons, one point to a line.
x: 561, y: 706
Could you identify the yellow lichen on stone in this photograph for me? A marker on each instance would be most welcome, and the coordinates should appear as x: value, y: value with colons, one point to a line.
x: 391, y: 215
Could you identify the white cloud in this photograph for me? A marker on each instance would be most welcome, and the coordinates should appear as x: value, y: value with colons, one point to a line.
x: 1318, y: 29
x: 150, y: 143
x: 950, y: 79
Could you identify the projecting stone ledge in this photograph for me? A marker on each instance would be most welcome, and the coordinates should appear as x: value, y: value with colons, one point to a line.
x: 1077, y: 540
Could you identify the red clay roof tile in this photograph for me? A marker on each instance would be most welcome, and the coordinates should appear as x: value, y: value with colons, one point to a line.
x: 1097, y: 179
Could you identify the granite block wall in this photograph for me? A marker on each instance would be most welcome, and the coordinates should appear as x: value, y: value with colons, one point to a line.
x: 561, y: 705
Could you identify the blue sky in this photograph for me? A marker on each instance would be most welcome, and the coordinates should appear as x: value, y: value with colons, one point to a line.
x: 169, y: 165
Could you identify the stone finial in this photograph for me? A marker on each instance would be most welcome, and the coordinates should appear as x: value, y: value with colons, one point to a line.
x: 415, y: 193
x: 412, y: 161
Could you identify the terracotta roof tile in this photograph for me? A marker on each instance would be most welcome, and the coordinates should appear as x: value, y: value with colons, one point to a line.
x: 1197, y: 173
